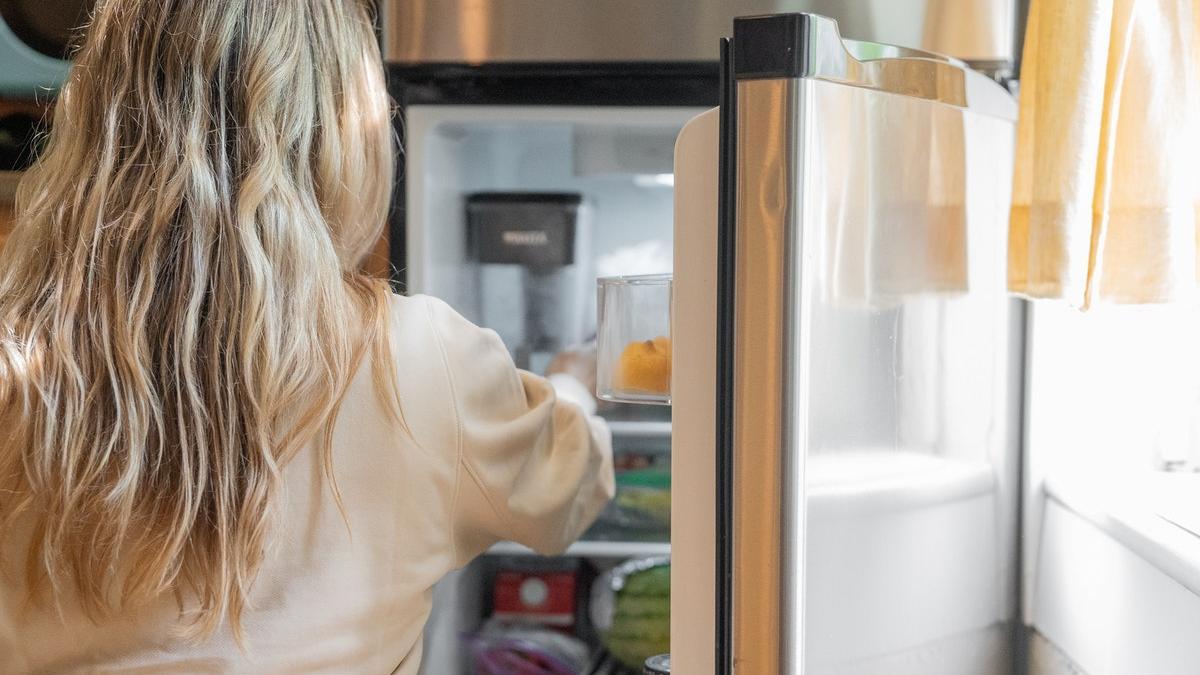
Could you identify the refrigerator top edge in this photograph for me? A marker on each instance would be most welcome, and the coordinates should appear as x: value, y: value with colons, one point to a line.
x: 792, y: 46
x: 624, y: 31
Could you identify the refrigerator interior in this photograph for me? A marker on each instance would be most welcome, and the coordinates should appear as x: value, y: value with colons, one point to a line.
x: 620, y: 162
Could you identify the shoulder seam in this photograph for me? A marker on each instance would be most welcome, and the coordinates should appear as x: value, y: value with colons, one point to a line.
x: 461, y: 462
x: 458, y: 430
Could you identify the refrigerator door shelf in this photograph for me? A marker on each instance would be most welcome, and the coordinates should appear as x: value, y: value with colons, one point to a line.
x: 633, y: 344
x: 901, y: 557
x: 640, y: 430
x: 619, y: 550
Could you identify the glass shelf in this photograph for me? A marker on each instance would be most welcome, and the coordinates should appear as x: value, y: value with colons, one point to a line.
x: 593, y: 549
x: 640, y: 429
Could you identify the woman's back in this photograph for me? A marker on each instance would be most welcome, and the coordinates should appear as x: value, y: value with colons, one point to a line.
x: 222, y: 445
x: 491, y: 456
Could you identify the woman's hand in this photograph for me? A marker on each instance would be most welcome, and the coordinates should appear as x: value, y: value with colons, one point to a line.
x: 579, y: 363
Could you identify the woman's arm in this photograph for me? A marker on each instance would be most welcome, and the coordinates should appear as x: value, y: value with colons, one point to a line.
x: 532, y: 468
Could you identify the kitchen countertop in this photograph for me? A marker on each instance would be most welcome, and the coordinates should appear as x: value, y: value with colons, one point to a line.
x: 1154, y: 514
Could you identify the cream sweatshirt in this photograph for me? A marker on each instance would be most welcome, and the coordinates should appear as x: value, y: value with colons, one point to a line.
x: 493, y: 455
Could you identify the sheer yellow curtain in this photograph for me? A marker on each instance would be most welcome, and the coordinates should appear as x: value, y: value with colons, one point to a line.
x: 1106, y: 194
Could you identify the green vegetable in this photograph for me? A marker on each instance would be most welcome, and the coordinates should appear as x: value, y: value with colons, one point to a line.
x: 641, y: 621
x: 647, y: 493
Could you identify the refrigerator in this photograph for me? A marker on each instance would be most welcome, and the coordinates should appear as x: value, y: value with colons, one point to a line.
x: 841, y: 445
x: 846, y: 365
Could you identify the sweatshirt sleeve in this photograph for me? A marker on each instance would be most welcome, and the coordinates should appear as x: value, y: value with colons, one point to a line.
x: 531, y: 468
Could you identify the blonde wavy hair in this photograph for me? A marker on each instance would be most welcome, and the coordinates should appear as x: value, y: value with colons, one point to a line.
x: 181, y: 306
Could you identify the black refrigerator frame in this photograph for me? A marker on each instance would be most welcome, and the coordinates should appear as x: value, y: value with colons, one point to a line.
x: 627, y: 84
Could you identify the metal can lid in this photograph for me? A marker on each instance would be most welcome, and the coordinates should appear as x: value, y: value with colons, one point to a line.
x: 658, y: 665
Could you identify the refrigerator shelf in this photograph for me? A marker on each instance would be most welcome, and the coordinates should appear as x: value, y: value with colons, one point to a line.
x: 640, y: 429
x: 593, y: 549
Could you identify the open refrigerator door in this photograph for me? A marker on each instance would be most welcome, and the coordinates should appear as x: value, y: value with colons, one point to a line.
x: 844, y: 383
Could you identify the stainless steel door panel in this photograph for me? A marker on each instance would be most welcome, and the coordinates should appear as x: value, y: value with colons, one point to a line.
x: 769, y: 414
x: 486, y: 31
x: 872, y: 457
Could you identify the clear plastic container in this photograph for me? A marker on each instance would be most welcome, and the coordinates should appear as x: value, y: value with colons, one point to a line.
x: 633, y: 350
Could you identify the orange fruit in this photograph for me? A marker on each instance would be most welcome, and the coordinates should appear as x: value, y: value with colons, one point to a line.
x: 645, y: 367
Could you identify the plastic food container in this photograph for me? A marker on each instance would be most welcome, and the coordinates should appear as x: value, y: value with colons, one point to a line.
x: 633, y: 345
